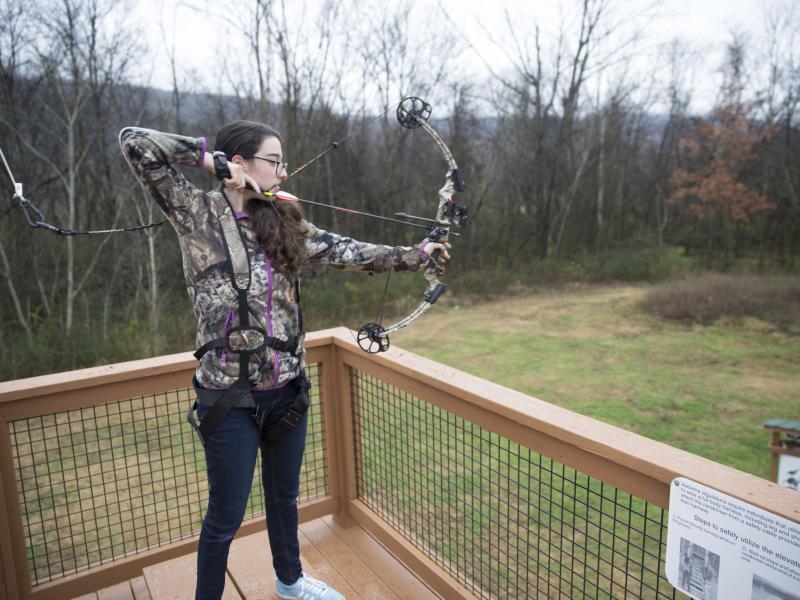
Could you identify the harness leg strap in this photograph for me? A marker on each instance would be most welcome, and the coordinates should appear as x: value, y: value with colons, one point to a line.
x: 293, y: 415
x: 218, y: 411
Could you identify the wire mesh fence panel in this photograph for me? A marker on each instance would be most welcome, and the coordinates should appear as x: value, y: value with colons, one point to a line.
x: 503, y: 520
x: 100, y: 483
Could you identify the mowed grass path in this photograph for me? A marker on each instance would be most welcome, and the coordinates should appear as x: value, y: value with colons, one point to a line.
x: 590, y: 349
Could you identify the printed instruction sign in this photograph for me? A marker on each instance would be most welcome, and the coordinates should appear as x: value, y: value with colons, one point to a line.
x: 720, y: 548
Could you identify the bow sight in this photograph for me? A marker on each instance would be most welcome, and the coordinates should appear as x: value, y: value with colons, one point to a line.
x: 454, y: 213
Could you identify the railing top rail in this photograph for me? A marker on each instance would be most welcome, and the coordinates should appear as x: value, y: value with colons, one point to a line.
x: 43, y: 385
x: 655, y: 459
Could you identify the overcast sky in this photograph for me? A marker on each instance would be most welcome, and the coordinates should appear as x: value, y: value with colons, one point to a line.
x: 705, y: 25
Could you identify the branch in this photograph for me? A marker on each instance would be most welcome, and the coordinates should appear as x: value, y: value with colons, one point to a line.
x: 792, y: 193
x: 6, y: 273
x: 38, y: 154
x: 98, y: 253
x: 503, y: 81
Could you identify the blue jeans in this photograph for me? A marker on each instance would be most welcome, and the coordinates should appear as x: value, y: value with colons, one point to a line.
x: 230, y: 461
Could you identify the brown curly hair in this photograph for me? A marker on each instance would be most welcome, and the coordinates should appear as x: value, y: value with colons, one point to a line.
x: 279, y: 226
x: 280, y: 229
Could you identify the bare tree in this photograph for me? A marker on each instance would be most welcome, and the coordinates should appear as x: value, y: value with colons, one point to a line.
x: 79, y: 61
x: 777, y: 76
x: 546, y: 89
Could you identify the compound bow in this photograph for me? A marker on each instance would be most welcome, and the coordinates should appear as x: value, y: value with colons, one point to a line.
x: 412, y: 113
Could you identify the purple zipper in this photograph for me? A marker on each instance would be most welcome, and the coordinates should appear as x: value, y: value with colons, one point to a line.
x: 275, y: 359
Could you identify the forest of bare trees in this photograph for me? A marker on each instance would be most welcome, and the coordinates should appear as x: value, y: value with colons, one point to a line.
x: 566, y: 152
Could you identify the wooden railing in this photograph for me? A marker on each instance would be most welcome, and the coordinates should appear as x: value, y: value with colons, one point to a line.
x: 389, y: 423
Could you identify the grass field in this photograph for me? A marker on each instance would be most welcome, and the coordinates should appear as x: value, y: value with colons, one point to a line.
x: 592, y: 349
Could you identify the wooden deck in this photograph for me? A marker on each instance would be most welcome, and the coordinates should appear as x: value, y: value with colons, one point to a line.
x: 348, y: 559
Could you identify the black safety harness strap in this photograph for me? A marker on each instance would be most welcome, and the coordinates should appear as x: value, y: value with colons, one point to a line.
x: 289, y: 345
x: 239, y: 269
x: 218, y: 411
x: 291, y: 418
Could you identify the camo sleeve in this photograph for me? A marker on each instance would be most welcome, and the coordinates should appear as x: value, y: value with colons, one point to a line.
x: 152, y: 156
x: 328, y: 248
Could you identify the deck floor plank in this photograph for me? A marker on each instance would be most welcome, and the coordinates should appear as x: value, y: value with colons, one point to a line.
x: 176, y: 579
x: 404, y: 583
x: 139, y: 589
x: 318, y: 566
x: 348, y: 559
x: 250, y: 566
x: 120, y: 591
x: 354, y: 570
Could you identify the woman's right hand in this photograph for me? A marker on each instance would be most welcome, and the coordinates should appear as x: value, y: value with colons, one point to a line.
x: 240, y: 180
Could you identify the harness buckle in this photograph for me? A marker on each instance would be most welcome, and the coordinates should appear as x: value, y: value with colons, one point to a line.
x: 291, y: 418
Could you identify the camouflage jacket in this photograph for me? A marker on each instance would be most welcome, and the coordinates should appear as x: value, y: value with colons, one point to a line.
x: 193, y: 214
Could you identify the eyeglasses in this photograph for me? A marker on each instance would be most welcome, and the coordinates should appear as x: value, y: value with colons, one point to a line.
x: 276, y: 163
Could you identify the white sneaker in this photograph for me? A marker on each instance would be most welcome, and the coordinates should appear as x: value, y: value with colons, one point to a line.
x: 306, y: 588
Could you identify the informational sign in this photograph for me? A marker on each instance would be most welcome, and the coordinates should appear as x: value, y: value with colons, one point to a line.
x: 789, y: 471
x: 720, y: 548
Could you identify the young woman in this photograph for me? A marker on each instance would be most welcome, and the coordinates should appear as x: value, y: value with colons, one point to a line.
x: 242, y: 259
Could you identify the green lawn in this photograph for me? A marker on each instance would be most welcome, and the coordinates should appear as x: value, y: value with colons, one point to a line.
x: 705, y: 389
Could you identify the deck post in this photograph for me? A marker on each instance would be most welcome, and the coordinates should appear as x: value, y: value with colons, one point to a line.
x: 16, y: 575
x: 346, y: 487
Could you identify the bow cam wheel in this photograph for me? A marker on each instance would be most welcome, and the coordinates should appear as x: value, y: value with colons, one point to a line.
x: 411, y: 111
x: 371, y: 339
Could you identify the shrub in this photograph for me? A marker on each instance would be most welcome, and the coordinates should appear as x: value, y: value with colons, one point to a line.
x: 707, y: 297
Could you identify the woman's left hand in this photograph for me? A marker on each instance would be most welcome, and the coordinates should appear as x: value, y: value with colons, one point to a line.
x: 429, y: 248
